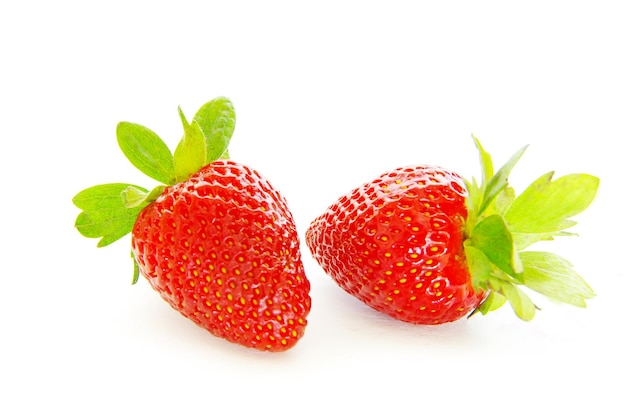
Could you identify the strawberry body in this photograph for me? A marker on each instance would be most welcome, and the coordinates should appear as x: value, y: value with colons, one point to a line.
x: 396, y: 243
x: 222, y: 249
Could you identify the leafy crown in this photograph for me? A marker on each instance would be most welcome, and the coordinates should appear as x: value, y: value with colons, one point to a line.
x: 501, y: 226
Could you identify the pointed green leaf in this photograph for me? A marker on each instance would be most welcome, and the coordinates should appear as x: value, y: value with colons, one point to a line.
x: 104, y: 214
x: 135, y: 269
x: 146, y: 151
x: 493, y: 302
x: 546, y: 205
x: 492, y: 237
x: 216, y: 119
x: 499, y: 181
x: 522, y: 305
x: 486, y: 163
x: 190, y: 154
x: 554, y: 277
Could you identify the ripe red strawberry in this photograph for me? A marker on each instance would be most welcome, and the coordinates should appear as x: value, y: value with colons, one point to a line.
x: 219, y: 243
x: 425, y: 246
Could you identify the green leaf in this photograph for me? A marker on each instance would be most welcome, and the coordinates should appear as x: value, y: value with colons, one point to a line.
x: 546, y: 205
x: 138, y: 198
x: 499, y: 181
x: 104, y: 214
x: 522, y: 305
x: 554, y: 277
x: 133, y: 197
x: 190, y: 154
x: 486, y: 162
x: 504, y: 200
x: 146, y: 151
x: 479, y: 266
x: 135, y: 269
x: 523, y: 240
x: 492, y: 237
x: 493, y: 302
x: 216, y: 119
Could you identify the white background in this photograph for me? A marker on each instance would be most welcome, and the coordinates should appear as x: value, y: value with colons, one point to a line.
x: 328, y: 94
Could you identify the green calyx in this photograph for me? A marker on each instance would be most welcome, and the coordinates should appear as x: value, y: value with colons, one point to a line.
x: 109, y: 211
x: 500, y: 227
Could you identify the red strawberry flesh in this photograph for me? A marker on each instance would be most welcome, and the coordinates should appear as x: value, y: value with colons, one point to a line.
x: 221, y: 248
x: 397, y: 244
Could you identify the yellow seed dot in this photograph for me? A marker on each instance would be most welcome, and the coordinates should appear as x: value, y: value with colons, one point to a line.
x: 419, y: 285
x: 438, y: 294
x: 387, y: 255
x: 384, y: 238
x: 229, y: 309
x: 242, y: 301
x: 399, y: 264
x: 382, y: 281
x: 437, y: 284
x: 376, y: 262
x: 402, y: 281
x: 428, y: 273
x: 429, y: 262
x: 396, y: 292
x: 223, y: 270
x: 294, y: 333
x: 415, y: 228
x: 229, y: 297
x: 434, y: 249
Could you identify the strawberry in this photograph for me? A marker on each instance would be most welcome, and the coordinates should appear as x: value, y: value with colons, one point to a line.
x: 426, y: 246
x: 216, y: 240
